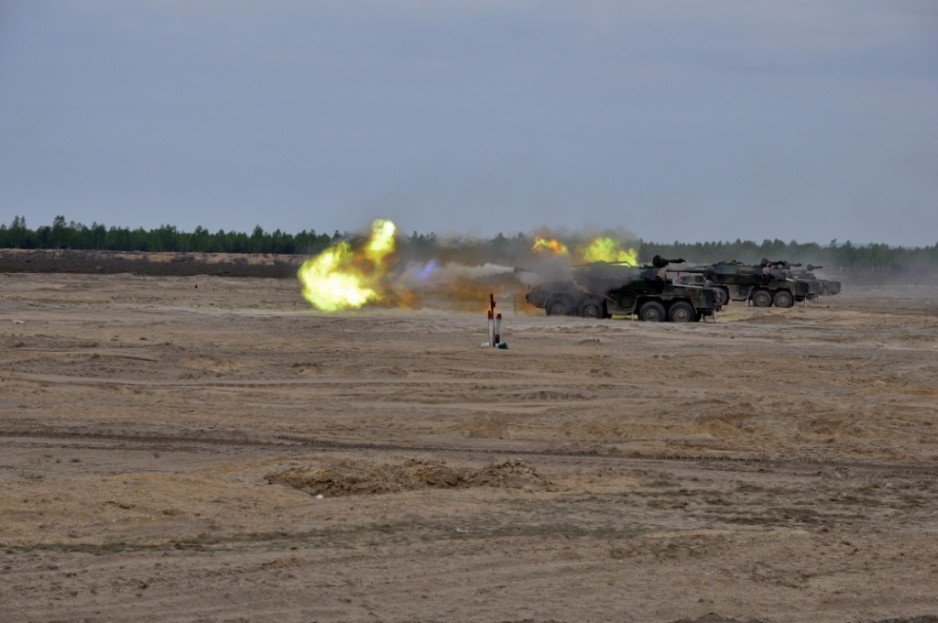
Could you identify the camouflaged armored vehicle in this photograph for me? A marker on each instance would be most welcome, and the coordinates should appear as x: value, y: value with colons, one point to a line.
x: 828, y: 287
x: 601, y: 289
x: 765, y: 284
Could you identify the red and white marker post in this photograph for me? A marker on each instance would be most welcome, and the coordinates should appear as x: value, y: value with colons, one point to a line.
x: 495, y: 323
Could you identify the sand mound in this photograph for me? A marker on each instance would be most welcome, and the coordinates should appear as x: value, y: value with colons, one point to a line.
x: 552, y: 394
x: 355, y: 478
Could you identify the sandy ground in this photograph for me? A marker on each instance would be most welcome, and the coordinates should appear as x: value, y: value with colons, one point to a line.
x: 179, y: 453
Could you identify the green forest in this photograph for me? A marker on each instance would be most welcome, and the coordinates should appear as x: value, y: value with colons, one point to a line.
x: 62, y: 234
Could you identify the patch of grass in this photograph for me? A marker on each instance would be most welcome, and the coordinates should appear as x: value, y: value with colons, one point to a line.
x: 913, y: 501
x: 399, y: 533
x: 788, y: 516
x: 96, y: 549
x: 855, y: 500
x: 676, y: 493
x: 660, y: 503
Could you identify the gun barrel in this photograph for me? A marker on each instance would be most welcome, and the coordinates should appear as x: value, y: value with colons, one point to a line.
x: 662, y: 262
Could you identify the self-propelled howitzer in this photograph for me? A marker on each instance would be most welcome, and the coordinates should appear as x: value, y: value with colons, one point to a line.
x: 764, y: 284
x: 601, y: 289
x: 828, y: 287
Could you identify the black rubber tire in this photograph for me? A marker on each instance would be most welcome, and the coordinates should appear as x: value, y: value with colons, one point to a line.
x: 557, y: 307
x: 783, y: 298
x: 762, y: 298
x: 593, y: 309
x: 724, y: 296
x: 825, y: 291
x: 652, y: 311
x: 681, y: 312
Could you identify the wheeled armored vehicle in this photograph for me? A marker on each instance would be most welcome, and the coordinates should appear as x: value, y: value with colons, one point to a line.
x: 601, y: 289
x: 765, y: 284
x: 828, y: 287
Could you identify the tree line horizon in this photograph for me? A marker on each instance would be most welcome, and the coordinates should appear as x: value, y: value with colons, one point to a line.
x: 62, y: 234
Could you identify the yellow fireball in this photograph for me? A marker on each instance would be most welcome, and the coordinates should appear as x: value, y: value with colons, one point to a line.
x: 342, y: 278
x: 550, y: 245
x: 606, y: 249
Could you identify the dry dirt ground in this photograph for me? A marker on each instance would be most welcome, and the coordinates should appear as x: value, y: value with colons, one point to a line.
x: 206, y: 448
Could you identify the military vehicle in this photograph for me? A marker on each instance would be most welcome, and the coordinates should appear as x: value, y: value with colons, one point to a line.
x: 601, y: 289
x: 765, y: 284
x: 828, y: 287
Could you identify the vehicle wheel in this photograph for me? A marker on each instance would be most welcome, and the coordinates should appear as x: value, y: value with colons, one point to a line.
x: 783, y: 298
x: 761, y: 298
x: 593, y: 309
x: 681, y: 312
x: 724, y: 296
x: 652, y: 311
x: 557, y: 307
x: 825, y: 291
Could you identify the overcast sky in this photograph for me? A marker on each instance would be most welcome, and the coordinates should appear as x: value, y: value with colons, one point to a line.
x: 806, y: 120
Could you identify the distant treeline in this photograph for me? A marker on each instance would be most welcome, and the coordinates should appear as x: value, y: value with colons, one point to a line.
x: 64, y: 234
x: 841, y: 257
x: 72, y: 235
